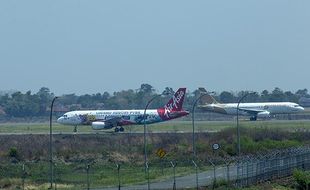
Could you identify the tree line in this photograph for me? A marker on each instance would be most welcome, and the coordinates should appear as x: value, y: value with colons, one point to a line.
x: 30, y: 104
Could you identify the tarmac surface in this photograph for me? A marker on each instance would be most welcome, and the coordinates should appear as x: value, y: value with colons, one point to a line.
x: 185, y: 182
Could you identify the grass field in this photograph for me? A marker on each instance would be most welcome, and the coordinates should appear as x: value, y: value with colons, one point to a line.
x: 74, y: 176
x: 71, y: 174
x: 172, y: 126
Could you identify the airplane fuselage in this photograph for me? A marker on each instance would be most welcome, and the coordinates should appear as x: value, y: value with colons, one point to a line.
x: 265, y: 108
x: 106, y: 119
x: 124, y: 117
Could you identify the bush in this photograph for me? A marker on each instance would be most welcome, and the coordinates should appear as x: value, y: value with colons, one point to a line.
x: 220, y: 183
x: 13, y: 152
x: 302, y: 178
x: 231, y: 149
x: 202, y: 147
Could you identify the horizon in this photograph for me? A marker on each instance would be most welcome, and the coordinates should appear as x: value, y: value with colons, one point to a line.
x: 235, y: 92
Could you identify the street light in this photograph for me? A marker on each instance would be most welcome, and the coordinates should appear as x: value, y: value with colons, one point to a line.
x: 238, y: 130
x: 50, y: 144
x: 144, y: 124
x: 193, y: 119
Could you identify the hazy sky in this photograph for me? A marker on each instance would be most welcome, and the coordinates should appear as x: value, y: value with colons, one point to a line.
x: 75, y: 46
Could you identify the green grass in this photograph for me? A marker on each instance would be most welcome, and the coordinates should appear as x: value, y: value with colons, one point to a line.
x: 172, y: 126
x: 33, y: 128
x: 74, y: 176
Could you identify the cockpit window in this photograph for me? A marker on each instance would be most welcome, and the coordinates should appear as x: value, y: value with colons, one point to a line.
x: 296, y: 106
x: 65, y: 116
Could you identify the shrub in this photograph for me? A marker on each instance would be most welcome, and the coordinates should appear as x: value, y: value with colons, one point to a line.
x: 302, y: 178
x: 231, y: 149
x: 13, y: 152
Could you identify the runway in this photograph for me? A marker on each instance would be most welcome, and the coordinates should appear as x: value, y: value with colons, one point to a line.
x: 100, y: 133
x: 178, y: 127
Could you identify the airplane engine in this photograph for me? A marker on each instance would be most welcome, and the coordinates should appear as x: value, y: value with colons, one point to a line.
x: 98, y: 125
x: 264, y: 114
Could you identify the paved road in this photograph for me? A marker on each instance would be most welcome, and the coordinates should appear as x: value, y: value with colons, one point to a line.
x: 189, y: 181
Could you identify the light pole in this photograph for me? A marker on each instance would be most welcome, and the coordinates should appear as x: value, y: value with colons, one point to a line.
x: 50, y: 144
x: 193, y: 120
x: 144, y: 125
x: 238, y: 130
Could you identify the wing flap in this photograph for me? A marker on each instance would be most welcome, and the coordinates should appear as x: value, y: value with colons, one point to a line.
x: 113, y: 121
x: 251, y: 111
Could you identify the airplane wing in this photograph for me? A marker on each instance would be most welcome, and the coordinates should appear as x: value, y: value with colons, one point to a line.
x: 88, y: 119
x: 112, y: 121
x: 252, y: 111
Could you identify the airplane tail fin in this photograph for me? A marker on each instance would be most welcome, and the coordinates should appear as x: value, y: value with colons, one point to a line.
x: 176, y: 102
x: 206, y: 99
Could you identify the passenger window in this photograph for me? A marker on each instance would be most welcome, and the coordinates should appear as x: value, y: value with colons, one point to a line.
x: 125, y: 117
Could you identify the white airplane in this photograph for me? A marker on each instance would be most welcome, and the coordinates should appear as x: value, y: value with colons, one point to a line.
x: 107, y: 119
x: 254, y: 110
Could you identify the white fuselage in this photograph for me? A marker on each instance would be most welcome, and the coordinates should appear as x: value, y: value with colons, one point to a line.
x: 132, y: 116
x: 266, y: 108
x: 106, y: 119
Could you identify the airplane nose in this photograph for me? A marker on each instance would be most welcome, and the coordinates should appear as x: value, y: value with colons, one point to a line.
x: 59, y: 120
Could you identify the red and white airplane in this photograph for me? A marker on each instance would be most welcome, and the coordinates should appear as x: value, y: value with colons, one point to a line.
x: 107, y: 119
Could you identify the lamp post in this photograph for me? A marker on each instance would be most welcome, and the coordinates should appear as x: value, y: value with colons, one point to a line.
x: 193, y: 120
x: 50, y: 145
x: 144, y: 125
x: 238, y: 130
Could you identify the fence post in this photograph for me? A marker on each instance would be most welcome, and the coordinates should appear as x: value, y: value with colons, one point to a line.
x: 214, y: 176
x: 162, y: 166
x: 196, y: 169
x: 173, y: 166
x: 247, y: 171
x: 214, y: 173
x: 238, y: 173
x: 23, y: 176
x: 55, y: 175
x: 148, y: 175
x: 87, y: 171
x: 227, y: 161
x: 119, y: 181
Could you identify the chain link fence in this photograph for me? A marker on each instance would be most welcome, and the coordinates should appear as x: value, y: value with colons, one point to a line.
x: 278, y: 164
x: 159, y: 174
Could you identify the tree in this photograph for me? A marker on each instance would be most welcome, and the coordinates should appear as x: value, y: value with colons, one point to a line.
x: 146, y: 89
x: 144, y: 94
x: 21, y: 105
x: 302, y: 93
x: 227, y: 97
x: 290, y: 97
x: 277, y: 95
x: 45, y: 98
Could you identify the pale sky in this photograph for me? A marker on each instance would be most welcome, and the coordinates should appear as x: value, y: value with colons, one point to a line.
x: 89, y: 46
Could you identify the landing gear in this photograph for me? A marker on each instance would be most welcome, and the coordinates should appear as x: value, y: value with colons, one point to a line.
x: 119, y: 129
x: 75, y: 129
x: 253, y: 118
